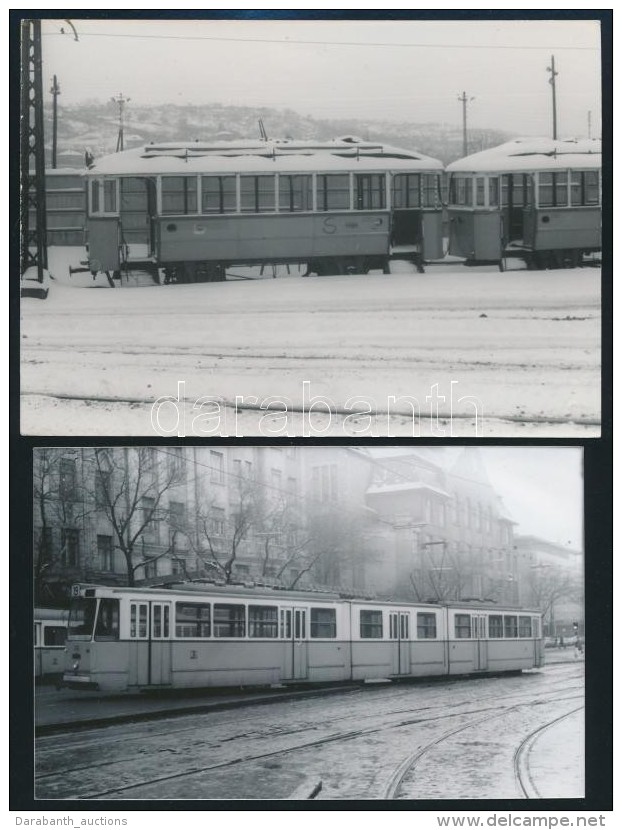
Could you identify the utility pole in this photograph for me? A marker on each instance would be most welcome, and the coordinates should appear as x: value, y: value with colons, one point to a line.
x: 33, y: 253
x: 55, y: 93
x: 121, y: 102
x: 465, y: 144
x: 554, y: 74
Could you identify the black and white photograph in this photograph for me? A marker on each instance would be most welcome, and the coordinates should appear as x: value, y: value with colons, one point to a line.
x: 311, y: 228
x: 328, y: 622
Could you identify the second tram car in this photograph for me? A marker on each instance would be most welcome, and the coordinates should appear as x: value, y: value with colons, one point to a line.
x: 194, y: 635
x: 50, y: 633
x: 536, y: 199
x: 194, y: 209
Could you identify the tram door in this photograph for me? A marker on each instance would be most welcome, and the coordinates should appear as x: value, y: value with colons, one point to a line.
x: 399, y: 633
x: 478, y: 633
x: 160, y: 644
x: 293, y: 631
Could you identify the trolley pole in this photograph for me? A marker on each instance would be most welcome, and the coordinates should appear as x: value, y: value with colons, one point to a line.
x: 554, y: 74
x: 121, y: 102
x: 55, y: 93
x: 464, y: 99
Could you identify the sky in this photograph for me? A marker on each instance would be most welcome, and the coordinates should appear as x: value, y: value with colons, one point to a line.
x: 410, y: 71
x: 541, y: 487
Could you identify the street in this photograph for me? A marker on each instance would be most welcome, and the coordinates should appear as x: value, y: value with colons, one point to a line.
x: 521, y: 348
x: 515, y: 736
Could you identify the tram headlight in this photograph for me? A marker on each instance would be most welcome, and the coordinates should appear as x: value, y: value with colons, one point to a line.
x: 76, y: 666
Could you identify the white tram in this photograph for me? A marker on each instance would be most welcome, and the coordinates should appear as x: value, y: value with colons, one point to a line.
x: 50, y: 633
x: 196, y: 635
x: 537, y: 199
x: 193, y: 209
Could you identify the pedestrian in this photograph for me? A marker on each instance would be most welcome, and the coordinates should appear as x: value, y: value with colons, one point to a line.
x: 561, y: 641
x: 578, y: 647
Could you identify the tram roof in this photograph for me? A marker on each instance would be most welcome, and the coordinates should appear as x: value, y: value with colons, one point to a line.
x: 177, y: 158
x: 525, y: 154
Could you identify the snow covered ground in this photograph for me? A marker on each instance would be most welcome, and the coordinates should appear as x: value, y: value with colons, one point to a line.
x: 522, y: 349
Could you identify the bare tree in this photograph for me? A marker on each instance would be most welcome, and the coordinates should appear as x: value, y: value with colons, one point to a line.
x: 130, y: 487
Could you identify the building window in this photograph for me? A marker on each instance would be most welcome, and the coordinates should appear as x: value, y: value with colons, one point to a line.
x: 217, y: 464
x: 176, y: 460
x: 426, y: 626
x: 179, y: 195
x: 229, y: 620
x: 67, y: 478
x: 510, y: 625
x: 177, y: 515
x: 105, y: 553
x: 46, y: 543
x: 102, y: 488
x: 325, y: 483
x: 70, y: 547
x: 462, y: 624
x: 262, y: 621
x: 323, y: 623
x: 371, y: 625
x: 147, y: 507
x: 192, y: 619
x: 218, y: 521
x: 151, y: 569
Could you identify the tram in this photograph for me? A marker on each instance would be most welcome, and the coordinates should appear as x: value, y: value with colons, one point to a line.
x: 535, y: 199
x: 193, y: 209
x: 50, y: 633
x: 196, y: 635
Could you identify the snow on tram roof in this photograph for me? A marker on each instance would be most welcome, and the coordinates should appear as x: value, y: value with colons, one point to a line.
x: 524, y: 154
x: 260, y: 156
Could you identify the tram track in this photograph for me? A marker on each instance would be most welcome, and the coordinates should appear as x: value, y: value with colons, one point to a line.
x: 120, y: 768
x: 522, y: 771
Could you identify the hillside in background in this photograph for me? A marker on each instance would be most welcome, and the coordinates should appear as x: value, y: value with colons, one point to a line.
x: 95, y: 126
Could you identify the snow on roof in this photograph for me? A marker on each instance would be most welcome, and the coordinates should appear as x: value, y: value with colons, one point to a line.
x: 525, y: 154
x: 374, y: 489
x: 255, y: 156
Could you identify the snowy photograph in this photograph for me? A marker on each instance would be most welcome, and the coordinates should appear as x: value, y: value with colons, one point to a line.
x: 311, y: 228
x: 309, y: 623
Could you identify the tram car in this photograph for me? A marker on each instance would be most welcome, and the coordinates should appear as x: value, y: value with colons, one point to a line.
x: 193, y: 635
x: 535, y: 199
x: 194, y: 209
x: 50, y: 633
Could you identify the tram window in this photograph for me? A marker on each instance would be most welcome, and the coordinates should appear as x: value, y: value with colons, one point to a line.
x: 323, y: 622
x: 295, y: 193
x: 369, y: 191
x: 371, y: 625
x: 333, y: 192
x: 107, y: 627
x: 54, y: 635
x: 229, y: 620
x: 493, y: 191
x: 462, y: 625
x: 36, y: 634
x: 179, y: 195
x: 192, y: 619
x: 545, y: 190
x: 480, y: 196
x: 138, y: 620
x: 591, y: 187
x: 463, y: 191
x: 160, y: 621
x: 257, y: 194
x: 510, y: 625
x: 218, y: 194
x: 495, y: 626
x: 561, y: 189
x: 576, y: 188
x: 426, y: 626
x: 524, y: 626
x: 286, y: 623
x: 553, y: 190
x: 262, y: 621
x: 110, y: 197
x: 536, y: 627
x: 82, y: 617
x: 405, y: 193
x: 429, y: 190
x: 95, y: 188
